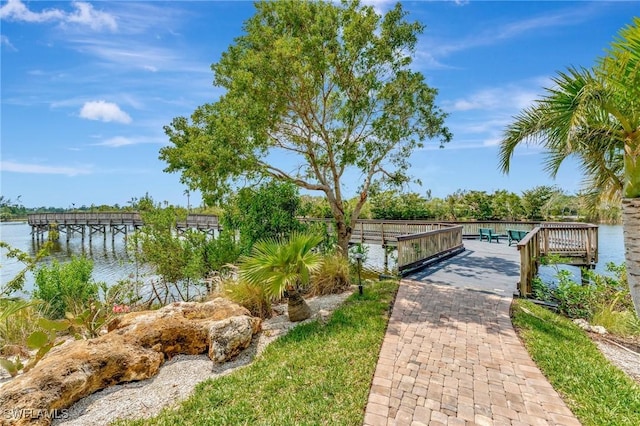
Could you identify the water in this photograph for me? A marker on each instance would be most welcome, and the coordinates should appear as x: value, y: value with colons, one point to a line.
x: 112, y: 263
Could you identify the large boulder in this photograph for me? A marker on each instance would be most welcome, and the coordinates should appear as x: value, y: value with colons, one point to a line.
x: 134, y: 349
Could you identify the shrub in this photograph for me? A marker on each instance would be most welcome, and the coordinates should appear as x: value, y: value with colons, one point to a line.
x: 60, y: 283
x: 574, y: 300
x: 251, y: 296
x: 18, y: 319
x: 332, y: 277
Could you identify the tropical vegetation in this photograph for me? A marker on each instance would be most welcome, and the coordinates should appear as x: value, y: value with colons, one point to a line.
x: 594, y: 116
x: 328, y: 85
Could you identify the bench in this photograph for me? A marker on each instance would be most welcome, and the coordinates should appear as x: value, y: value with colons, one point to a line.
x: 515, y: 235
x: 488, y: 234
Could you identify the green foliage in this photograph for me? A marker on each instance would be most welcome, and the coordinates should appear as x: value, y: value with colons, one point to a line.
x: 282, y: 264
x: 596, y: 391
x: 268, y: 211
x: 18, y: 319
x: 536, y: 201
x: 332, y: 277
x: 251, y: 296
x: 58, y: 284
x: 602, y: 299
x: 329, y: 243
x: 328, y: 85
x: 574, y: 300
x: 540, y: 290
x: 400, y: 206
x: 179, y: 259
x: 316, y: 207
x: 221, y: 251
x: 592, y: 115
x: 30, y: 262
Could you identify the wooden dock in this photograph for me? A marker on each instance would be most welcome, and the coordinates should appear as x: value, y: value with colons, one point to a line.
x: 419, y: 243
x: 89, y: 224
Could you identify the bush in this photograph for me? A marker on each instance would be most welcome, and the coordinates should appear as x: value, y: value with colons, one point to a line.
x: 575, y: 300
x: 252, y: 297
x: 601, y: 299
x: 18, y: 319
x: 332, y: 278
x: 61, y: 284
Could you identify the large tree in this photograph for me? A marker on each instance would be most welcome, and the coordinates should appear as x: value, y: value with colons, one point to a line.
x: 594, y: 115
x: 316, y: 94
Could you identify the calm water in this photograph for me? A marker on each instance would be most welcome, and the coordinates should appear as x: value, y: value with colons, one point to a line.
x: 111, y: 262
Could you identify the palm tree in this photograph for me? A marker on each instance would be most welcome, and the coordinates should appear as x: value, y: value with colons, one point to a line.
x: 594, y: 115
x: 280, y: 265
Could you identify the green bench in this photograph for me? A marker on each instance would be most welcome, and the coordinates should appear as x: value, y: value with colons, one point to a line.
x: 488, y: 234
x: 515, y: 235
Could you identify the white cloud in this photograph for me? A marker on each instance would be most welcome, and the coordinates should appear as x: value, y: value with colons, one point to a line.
x: 104, y: 111
x: 4, y: 41
x: 506, y: 98
x: 11, y: 166
x: 119, y: 141
x: 84, y: 14
x: 510, y: 30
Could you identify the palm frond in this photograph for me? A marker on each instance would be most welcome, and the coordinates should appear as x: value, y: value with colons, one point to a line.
x: 280, y: 264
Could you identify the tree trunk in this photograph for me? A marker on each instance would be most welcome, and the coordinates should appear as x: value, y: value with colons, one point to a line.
x: 631, y: 232
x: 344, y: 236
x: 296, y: 306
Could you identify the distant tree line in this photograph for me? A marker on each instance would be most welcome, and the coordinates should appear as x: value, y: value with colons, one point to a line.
x: 538, y: 203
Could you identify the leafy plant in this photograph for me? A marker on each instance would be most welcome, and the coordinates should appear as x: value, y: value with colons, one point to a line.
x: 18, y: 319
x: 268, y: 211
x: 17, y: 282
x: 251, y: 296
x: 574, y: 300
x: 60, y: 283
x: 332, y: 277
x: 284, y: 266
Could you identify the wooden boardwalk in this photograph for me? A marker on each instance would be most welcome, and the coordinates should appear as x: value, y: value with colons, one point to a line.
x: 451, y: 356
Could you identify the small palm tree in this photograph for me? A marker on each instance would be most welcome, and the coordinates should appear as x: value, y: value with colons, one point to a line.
x: 284, y: 265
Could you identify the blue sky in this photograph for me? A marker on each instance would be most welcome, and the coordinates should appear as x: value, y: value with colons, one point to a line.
x: 88, y: 86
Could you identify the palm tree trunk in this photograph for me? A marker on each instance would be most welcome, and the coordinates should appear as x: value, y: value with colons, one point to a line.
x: 631, y: 232
x: 296, y: 306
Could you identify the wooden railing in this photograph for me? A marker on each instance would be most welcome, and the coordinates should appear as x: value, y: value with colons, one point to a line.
x: 418, y: 250
x: 41, y: 219
x: 386, y: 231
x: 574, y: 243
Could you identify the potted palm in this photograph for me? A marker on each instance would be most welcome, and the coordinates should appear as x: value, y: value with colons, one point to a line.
x: 284, y: 265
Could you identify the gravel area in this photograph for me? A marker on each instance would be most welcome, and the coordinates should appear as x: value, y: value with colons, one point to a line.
x: 625, y: 359
x: 178, y: 377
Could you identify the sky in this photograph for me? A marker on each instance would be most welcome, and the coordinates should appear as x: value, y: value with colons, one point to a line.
x: 86, y: 88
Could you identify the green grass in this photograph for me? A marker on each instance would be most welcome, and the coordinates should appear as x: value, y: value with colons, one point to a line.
x: 597, y: 392
x: 316, y: 374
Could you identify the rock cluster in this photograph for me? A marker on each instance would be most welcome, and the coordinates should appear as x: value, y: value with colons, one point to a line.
x: 135, y: 347
x: 583, y: 324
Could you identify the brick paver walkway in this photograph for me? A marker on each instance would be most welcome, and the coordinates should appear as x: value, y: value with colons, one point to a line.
x: 451, y: 356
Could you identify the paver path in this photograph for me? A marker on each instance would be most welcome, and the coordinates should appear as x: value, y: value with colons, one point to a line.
x: 451, y: 356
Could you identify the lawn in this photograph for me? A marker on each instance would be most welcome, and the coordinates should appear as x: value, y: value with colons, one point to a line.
x: 597, y: 392
x: 316, y: 374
